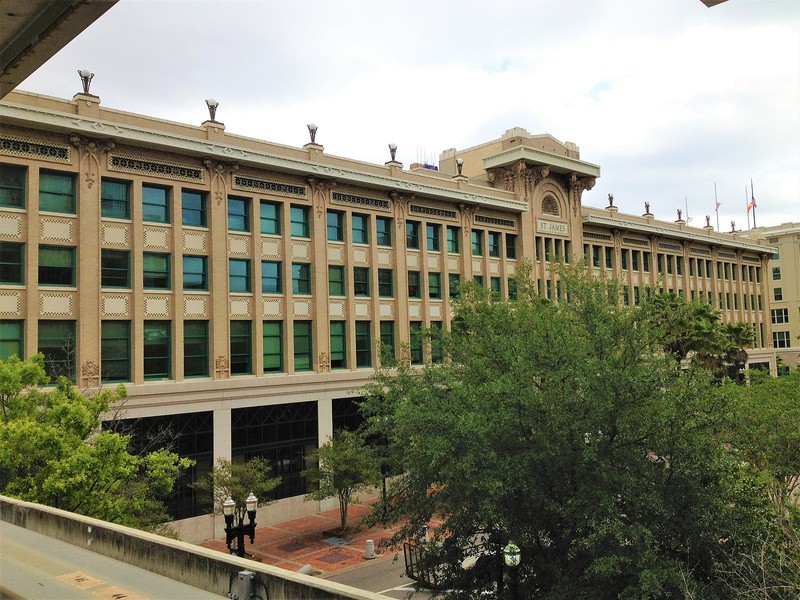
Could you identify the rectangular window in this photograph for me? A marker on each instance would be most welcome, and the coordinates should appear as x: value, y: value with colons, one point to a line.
x: 300, y: 222
x: 193, y: 209
x: 156, y: 271
x: 115, y: 351
x: 512, y: 288
x: 609, y: 252
x: 363, y: 344
x: 494, y: 244
x: 417, y: 356
x: 496, y: 286
x: 270, y: 218
x: 273, y: 346
x: 781, y: 339
x: 679, y: 265
x: 360, y: 229
x: 670, y: 261
x: 478, y: 279
x: 155, y: 204
x: 624, y: 258
x: 195, y: 349
x: 303, y: 360
x: 12, y: 186
x: 271, y: 277
x: 383, y: 226
x: 777, y: 295
x: 776, y: 273
x: 646, y: 261
x: 11, y: 263
x: 453, y: 235
x: 477, y: 242
x: 414, y: 290
x: 437, y: 351
x: 336, y: 283
x: 157, y: 349
x: 338, y: 345
x: 301, y: 278
x: 195, y: 273
x: 335, y: 226
x: 115, y: 200
x: 596, y: 253
x: 385, y: 283
x: 361, y: 281
x: 635, y: 260
x: 238, y: 214
x: 780, y: 316
x: 12, y: 339
x: 434, y: 286
x: 56, y: 265
x: 56, y: 192
x: 511, y: 246
x: 412, y: 235
x: 387, y: 337
x: 548, y: 249
x: 115, y: 268
x: 241, y: 348
x: 637, y: 295
x: 433, y: 237
x: 453, y: 281
x: 59, y: 344
x: 239, y: 275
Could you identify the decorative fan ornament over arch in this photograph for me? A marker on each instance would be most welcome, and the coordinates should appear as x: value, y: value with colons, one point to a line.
x: 550, y: 206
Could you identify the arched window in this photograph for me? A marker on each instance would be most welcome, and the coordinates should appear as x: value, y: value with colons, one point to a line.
x: 550, y: 206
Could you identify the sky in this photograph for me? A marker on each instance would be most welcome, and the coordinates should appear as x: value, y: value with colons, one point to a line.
x: 670, y: 98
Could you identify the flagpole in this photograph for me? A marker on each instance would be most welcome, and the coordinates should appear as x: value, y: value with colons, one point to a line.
x: 747, y: 205
x: 753, y: 200
x: 716, y: 204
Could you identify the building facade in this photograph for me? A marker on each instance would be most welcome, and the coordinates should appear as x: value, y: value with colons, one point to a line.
x: 238, y: 287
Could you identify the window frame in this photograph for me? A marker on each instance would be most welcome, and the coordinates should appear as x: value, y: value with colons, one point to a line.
x: 8, y: 187
x: 385, y: 283
x: 383, y: 231
x: 112, y: 352
x: 241, y: 362
x: 435, y: 286
x: 361, y: 282
x: 72, y: 268
x: 238, y: 214
x: 337, y: 286
x: 494, y: 241
x: 195, y: 338
x: 9, y: 265
x: 363, y: 344
x: 159, y: 326
x: 334, y: 230
x: 417, y: 277
x: 111, y: 207
x: 110, y: 273
x: 301, y: 338
x: 476, y: 238
x: 272, y: 222
x: 56, y: 198
x: 159, y: 209
x: 59, y: 339
x: 194, y: 216
x: 360, y: 228
x: 412, y: 235
x: 245, y: 279
x: 301, y: 279
x: 7, y: 340
x: 453, y: 239
x: 275, y: 279
x: 299, y: 221
x: 338, y: 344
x: 203, y: 272
x: 433, y: 237
x: 269, y: 334
x: 166, y: 273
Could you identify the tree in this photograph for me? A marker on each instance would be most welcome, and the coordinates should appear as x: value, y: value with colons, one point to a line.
x: 53, y: 450
x: 566, y: 428
x: 344, y: 467
x: 237, y: 481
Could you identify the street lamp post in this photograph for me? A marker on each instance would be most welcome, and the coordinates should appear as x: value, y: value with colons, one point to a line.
x: 238, y: 531
x: 511, y: 558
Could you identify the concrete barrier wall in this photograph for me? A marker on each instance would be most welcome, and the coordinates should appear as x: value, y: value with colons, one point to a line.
x: 205, y: 569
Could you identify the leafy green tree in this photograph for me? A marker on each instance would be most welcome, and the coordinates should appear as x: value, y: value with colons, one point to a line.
x: 566, y: 428
x: 54, y: 451
x: 344, y: 466
x: 238, y: 480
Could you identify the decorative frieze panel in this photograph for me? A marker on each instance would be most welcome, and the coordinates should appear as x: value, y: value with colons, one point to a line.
x: 195, y: 307
x: 412, y: 260
x: 477, y: 266
x: 194, y: 241
x: 241, y: 182
x: 270, y: 248
x: 494, y: 268
x: 592, y: 235
x: 453, y: 264
x: 115, y: 306
x: 169, y: 170
x: 238, y: 246
x: 156, y: 239
x: 115, y: 235
x: 434, y: 263
x: 156, y: 306
x: 272, y: 309
x: 666, y: 246
x: 362, y: 310
x: 56, y: 305
x: 439, y: 213
x: 496, y: 221
x: 240, y: 306
x: 414, y: 311
x: 302, y: 309
x: 15, y: 146
x: 56, y: 230
x: 336, y: 253
x: 10, y: 304
x: 386, y: 310
x: 360, y: 256
x: 371, y: 203
x: 700, y: 251
x: 336, y: 310
x: 301, y: 251
x: 511, y: 269
x: 635, y: 242
x: 728, y: 255
x: 11, y: 226
x: 435, y: 310
x: 384, y: 258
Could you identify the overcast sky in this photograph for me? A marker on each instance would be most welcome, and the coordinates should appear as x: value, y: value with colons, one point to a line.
x: 667, y: 96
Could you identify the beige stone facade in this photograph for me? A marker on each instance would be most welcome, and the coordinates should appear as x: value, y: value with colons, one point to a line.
x: 239, y: 286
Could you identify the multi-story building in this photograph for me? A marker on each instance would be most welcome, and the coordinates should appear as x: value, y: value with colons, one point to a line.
x: 238, y: 287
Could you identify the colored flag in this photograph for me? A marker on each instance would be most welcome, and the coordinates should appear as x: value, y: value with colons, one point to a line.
x: 718, y: 205
x: 752, y: 203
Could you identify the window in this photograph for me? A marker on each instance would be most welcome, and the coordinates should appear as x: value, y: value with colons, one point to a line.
x: 273, y: 346
x: 241, y: 348
x: 301, y: 278
x: 300, y: 223
x: 11, y: 263
x: 270, y: 218
x: 338, y: 345
x: 635, y: 259
x: 780, y: 316
x: 434, y: 286
x: 417, y: 356
x: 494, y: 244
x: 115, y: 351
x: 58, y: 343
x: 156, y: 271
x: 437, y: 351
x: 195, y: 273
x: 11, y: 339
x: 433, y: 237
x: 679, y: 265
x: 56, y: 192
x: 360, y: 229
x: 624, y: 259
x: 115, y: 199
x: 511, y: 246
x: 453, y: 234
x: 238, y: 214
x: 302, y: 346
x: 781, y: 339
x: 271, y: 277
x: 453, y: 281
x: 596, y: 252
x: 335, y: 226
x: 336, y: 283
x: 512, y: 288
x: 385, y: 283
x: 496, y: 286
x: 412, y: 235
x: 115, y: 268
x: 670, y: 261
x: 363, y: 344
x: 387, y: 336
x: 157, y: 349
x: 477, y: 242
x: 193, y: 209
x: 56, y: 265
x: 478, y: 279
x: 12, y: 186
x: 646, y: 261
x: 777, y: 295
x: 361, y: 281
x: 155, y: 204
x: 776, y: 273
x: 195, y: 349
x: 384, y: 231
x: 414, y: 285
x: 239, y: 275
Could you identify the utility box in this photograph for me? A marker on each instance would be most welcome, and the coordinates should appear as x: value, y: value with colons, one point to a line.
x: 244, y: 588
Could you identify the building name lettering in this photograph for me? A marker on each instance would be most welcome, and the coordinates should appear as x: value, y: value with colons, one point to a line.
x: 552, y: 227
